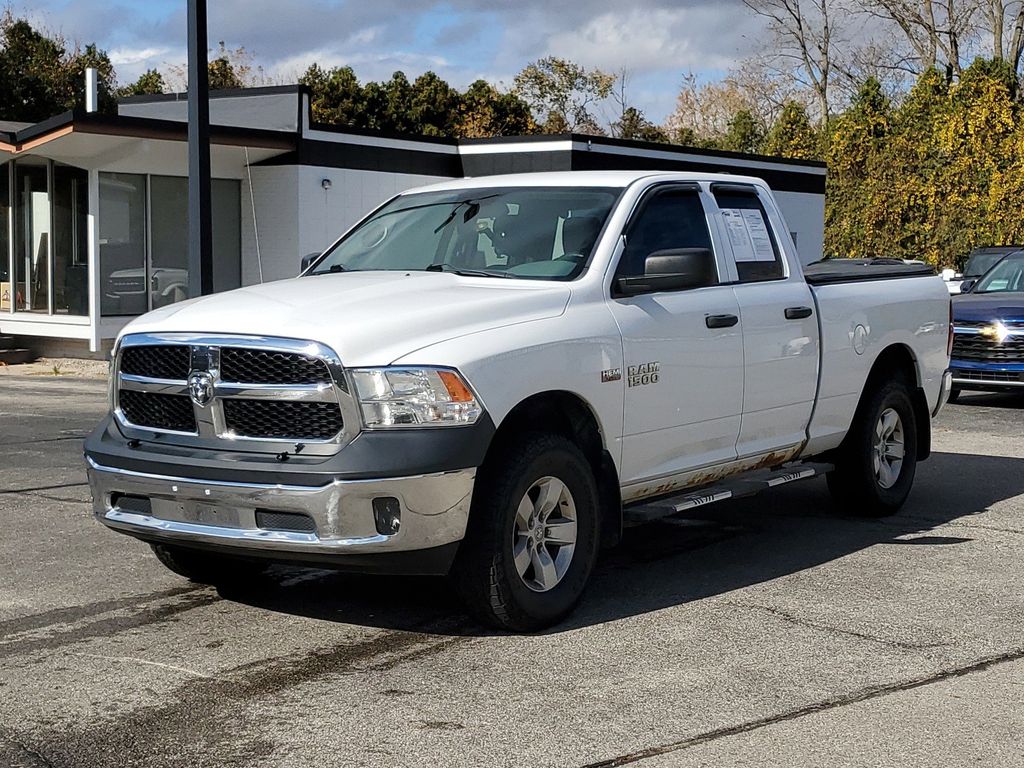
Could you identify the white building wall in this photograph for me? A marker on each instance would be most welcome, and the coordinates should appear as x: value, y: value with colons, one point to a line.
x: 275, y: 194
x: 805, y: 215
x: 296, y: 215
x: 325, y: 214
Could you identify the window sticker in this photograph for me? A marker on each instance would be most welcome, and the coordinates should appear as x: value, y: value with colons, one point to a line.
x: 748, y: 234
x: 739, y: 237
x: 759, y: 237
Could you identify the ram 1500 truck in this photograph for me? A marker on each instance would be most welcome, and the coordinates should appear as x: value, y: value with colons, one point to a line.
x: 487, y: 377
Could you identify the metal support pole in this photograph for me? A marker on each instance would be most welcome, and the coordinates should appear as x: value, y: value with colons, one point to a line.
x: 200, y: 227
x: 93, y: 245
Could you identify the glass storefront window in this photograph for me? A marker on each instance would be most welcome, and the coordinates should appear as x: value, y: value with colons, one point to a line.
x: 32, y: 229
x: 44, y: 207
x: 143, y: 239
x: 123, y: 244
x: 6, y: 288
x: 169, y: 237
x: 70, y: 240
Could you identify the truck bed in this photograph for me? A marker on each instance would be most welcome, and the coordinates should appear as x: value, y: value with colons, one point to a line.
x: 862, y: 270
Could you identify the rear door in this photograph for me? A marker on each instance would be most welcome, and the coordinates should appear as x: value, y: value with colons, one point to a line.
x: 683, y: 350
x: 780, y: 330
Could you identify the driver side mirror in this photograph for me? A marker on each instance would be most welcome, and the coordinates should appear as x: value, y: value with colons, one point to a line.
x: 674, y: 269
x: 968, y: 285
x: 308, y: 259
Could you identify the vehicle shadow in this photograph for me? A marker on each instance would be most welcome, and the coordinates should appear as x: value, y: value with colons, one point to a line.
x: 730, y: 546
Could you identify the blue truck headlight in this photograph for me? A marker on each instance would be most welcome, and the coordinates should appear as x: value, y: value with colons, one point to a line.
x: 414, y: 397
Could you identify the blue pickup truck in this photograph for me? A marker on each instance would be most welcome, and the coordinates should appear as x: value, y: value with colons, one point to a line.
x: 988, y: 319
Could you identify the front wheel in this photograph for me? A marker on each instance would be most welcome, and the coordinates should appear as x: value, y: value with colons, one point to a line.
x: 533, y: 535
x: 875, y: 467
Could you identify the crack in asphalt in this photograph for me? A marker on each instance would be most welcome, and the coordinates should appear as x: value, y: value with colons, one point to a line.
x: 829, y: 629
x: 856, y: 697
x: 47, y: 440
x: 25, y: 756
x: 63, y: 499
x: 8, y: 491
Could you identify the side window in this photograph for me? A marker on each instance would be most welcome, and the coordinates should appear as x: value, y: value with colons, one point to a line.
x: 753, y: 242
x: 673, y: 218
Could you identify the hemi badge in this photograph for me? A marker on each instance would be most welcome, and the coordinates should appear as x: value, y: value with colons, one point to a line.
x: 612, y: 374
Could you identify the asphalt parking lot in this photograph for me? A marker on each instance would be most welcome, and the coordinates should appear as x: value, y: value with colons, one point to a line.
x: 769, y: 632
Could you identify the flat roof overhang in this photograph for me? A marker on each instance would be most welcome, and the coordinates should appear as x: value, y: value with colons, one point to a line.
x: 118, y: 143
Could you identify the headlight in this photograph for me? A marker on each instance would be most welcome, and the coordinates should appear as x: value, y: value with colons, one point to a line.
x: 414, y: 397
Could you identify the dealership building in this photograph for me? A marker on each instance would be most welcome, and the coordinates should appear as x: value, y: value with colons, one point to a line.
x: 93, y: 206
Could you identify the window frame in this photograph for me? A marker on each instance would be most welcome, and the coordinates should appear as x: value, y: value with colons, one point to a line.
x: 640, y: 206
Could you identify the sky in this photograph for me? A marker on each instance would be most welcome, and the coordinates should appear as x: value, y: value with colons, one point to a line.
x: 656, y: 41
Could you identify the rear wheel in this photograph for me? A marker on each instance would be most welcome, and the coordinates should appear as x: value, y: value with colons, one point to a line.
x: 207, y: 567
x: 875, y: 467
x: 533, y: 535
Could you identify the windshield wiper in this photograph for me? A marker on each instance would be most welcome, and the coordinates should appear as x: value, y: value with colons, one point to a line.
x: 471, y: 211
x: 465, y: 272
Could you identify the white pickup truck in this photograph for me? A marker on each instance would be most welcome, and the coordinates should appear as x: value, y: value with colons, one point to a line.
x: 487, y: 377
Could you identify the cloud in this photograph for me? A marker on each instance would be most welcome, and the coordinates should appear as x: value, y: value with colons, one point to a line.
x: 461, y: 40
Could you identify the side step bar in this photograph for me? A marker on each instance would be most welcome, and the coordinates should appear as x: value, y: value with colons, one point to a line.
x: 741, y: 486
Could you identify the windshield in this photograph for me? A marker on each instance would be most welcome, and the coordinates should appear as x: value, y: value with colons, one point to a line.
x: 1006, y: 276
x: 543, y: 233
x: 980, y: 263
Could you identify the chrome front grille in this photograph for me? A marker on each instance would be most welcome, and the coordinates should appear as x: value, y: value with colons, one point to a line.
x: 157, y: 410
x: 282, y: 420
x: 162, y: 361
x: 263, y: 366
x: 249, y: 393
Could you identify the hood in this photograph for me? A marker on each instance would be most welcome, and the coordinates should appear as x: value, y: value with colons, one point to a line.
x: 368, y: 318
x: 988, y: 307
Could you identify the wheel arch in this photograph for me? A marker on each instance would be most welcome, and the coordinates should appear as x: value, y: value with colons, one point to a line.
x: 570, y: 415
x: 898, y: 360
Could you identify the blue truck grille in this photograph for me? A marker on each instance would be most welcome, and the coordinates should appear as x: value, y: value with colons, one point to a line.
x: 975, y: 348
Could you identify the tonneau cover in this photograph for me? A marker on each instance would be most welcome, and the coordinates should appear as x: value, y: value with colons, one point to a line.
x: 858, y: 270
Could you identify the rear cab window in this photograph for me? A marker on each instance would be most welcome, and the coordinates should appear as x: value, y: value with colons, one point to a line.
x: 749, y: 232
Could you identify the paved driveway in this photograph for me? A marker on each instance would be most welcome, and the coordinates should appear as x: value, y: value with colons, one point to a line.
x: 769, y: 632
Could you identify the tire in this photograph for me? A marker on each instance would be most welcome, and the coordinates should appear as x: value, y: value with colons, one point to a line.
x: 206, y: 567
x: 501, y: 573
x: 862, y: 487
x: 954, y: 395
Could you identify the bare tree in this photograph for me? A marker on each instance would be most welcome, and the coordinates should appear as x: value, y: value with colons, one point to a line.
x: 1004, y: 22
x: 804, y: 31
x: 936, y: 30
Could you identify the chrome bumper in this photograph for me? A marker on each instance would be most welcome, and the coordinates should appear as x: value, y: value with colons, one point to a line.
x: 435, y: 510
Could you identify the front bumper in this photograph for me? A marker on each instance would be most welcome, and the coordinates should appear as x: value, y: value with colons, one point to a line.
x: 987, y: 376
x: 220, y: 515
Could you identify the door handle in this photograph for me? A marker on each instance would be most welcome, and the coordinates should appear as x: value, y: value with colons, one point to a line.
x: 720, y: 321
x: 798, y: 313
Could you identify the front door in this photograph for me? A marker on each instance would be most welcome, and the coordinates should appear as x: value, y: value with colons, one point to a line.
x: 683, y: 350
